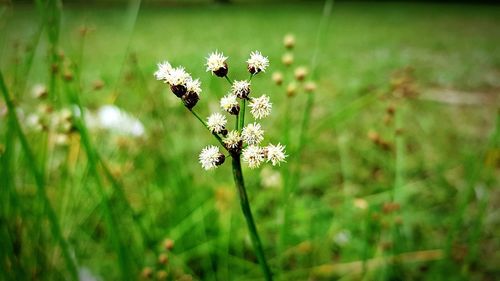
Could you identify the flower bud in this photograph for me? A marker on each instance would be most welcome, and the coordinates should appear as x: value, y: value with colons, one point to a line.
x: 68, y: 75
x: 391, y: 109
x: 277, y: 78
x: 287, y: 59
x: 190, y: 99
x: 291, y: 89
x: 178, y: 90
x: 222, y: 71
x: 97, y: 85
x: 147, y: 273
x: 168, y: 244
x: 300, y: 73
x: 289, y: 41
x: 310, y: 87
x: 161, y: 275
x: 163, y: 259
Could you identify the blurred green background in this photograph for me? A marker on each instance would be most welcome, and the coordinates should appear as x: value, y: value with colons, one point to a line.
x: 397, y: 178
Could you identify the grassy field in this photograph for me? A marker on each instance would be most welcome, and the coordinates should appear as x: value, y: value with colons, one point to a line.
x: 395, y: 178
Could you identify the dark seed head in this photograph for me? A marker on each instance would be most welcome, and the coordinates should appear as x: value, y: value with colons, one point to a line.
x: 244, y: 94
x: 190, y: 99
x: 252, y: 70
x: 220, y: 159
x: 224, y: 132
x: 235, y: 110
x: 221, y: 72
x: 178, y: 90
x: 236, y: 150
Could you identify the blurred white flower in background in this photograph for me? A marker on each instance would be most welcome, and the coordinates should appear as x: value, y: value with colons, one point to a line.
x: 342, y: 237
x: 270, y: 178
x: 115, y: 120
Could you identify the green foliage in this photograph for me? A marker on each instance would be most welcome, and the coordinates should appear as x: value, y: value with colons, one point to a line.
x: 395, y: 179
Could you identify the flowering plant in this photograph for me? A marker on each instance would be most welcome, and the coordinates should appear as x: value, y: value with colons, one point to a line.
x: 241, y: 143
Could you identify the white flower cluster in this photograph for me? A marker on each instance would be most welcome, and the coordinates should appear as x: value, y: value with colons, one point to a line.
x: 181, y: 83
x: 244, y: 141
x: 255, y: 155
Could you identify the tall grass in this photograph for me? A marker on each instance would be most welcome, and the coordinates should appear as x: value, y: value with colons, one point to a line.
x: 416, y: 204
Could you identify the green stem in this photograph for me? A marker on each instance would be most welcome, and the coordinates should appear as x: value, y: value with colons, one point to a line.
x: 245, y: 207
x: 228, y: 80
x: 237, y: 122
x: 242, y: 113
x: 40, y: 182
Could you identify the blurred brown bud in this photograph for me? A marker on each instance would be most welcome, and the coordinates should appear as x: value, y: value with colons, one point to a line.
x: 300, y: 73
x: 168, y: 244
x: 54, y: 68
x: 289, y: 41
x: 291, y: 89
x: 45, y: 109
x: 97, y: 84
x: 386, y: 245
x: 310, y: 87
x: 390, y: 207
x: 163, y: 259
x: 277, y: 78
x: 390, y: 109
x: 161, y: 275
x: 287, y: 59
x: 360, y: 203
x: 147, y: 273
x: 374, y: 136
x: 68, y: 75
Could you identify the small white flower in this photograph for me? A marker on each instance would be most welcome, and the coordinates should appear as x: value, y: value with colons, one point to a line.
x: 233, y: 139
x: 193, y: 86
x: 216, y: 122
x: 270, y: 178
x: 164, y: 69
x: 241, y: 89
x: 257, y: 62
x: 216, y: 61
x: 210, y: 157
x: 178, y: 76
x: 253, y: 155
x: 228, y: 102
x: 275, y: 154
x: 260, y: 107
x: 252, y: 134
x: 115, y: 120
